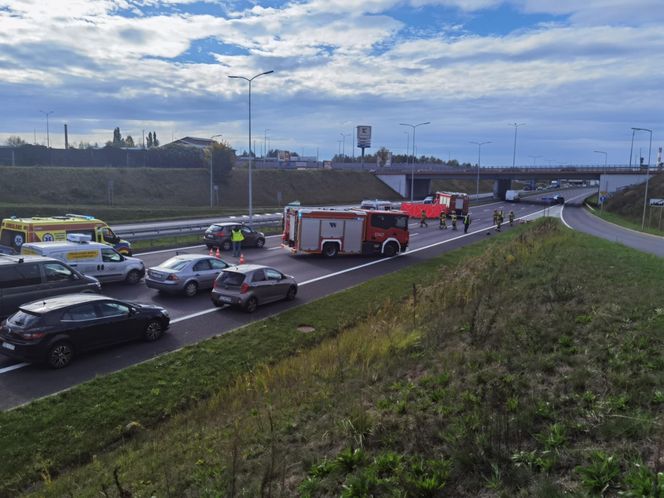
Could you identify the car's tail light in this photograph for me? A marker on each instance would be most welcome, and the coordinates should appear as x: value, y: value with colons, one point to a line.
x: 244, y: 288
x: 172, y: 277
x: 32, y: 335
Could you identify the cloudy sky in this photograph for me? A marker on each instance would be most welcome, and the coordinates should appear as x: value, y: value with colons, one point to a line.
x: 578, y: 74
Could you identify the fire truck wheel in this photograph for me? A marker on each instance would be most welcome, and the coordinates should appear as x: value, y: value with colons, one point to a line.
x: 391, y: 249
x: 330, y: 249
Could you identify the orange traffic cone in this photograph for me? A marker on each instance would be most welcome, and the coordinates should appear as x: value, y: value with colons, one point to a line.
x: 241, y: 258
x: 211, y: 251
x: 218, y: 253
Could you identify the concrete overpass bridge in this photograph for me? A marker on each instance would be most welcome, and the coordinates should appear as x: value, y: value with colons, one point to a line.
x: 400, y: 178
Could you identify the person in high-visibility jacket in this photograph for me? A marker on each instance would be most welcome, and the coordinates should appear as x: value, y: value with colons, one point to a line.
x: 511, y: 218
x: 236, y: 238
x: 454, y: 220
x: 423, y: 219
x: 443, y: 221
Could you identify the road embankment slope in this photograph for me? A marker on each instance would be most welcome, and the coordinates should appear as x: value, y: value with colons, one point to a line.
x: 518, y: 366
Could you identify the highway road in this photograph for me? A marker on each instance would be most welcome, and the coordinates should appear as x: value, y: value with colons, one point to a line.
x: 195, y: 319
x: 583, y: 220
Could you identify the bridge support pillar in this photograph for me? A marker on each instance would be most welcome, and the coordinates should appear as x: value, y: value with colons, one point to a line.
x: 500, y: 187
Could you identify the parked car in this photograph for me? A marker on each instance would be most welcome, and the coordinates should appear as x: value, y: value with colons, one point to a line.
x: 185, y: 273
x: 247, y: 286
x: 26, y: 278
x: 56, y: 329
x: 219, y: 235
x: 7, y: 250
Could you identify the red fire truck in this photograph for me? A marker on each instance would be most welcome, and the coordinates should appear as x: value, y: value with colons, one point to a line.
x: 334, y: 231
x: 445, y: 202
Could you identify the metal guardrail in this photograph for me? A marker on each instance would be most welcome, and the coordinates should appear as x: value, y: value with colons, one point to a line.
x: 175, y: 230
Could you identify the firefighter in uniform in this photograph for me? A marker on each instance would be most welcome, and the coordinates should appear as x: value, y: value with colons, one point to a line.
x: 499, y: 220
x: 423, y: 219
x: 443, y: 221
x: 466, y: 223
x: 454, y: 220
x: 511, y: 218
x: 495, y: 216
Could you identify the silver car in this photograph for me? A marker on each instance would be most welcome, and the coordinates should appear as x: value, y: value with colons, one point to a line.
x: 247, y: 286
x: 185, y: 273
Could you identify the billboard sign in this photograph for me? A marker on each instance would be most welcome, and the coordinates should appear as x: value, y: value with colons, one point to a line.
x: 657, y: 202
x: 363, y: 137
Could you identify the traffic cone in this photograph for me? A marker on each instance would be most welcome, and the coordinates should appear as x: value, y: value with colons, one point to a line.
x: 241, y: 258
x: 218, y: 253
x: 211, y: 251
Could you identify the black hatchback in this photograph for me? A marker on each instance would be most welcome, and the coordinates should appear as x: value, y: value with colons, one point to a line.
x: 54, y: 330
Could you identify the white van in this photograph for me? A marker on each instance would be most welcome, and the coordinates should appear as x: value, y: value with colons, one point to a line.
x: 513, y: 196
x: 90, y: 258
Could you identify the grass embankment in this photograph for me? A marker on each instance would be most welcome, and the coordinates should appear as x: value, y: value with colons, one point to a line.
x: 150, y: 194
x: 625, y: 208
x: 507, y: 374
x: 468, y: 186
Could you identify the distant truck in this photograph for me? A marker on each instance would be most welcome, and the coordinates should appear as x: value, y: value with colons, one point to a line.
x: 376, y: 204
x: 331, y: 232
x: 442, y: 202
x: 513, y: 196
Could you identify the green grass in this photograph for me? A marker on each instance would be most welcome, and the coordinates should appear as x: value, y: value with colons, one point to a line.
x: 629, y: 223
x: 150, y: 194
x: 152, y: 392
x: 521, y: 366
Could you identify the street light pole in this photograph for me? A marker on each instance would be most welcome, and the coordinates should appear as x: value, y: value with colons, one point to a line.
x: 516, y: 126
x: 251, y: 201
x: 48, y: 138
x: 599, y: 187
x: 412, y: 168
x: 211, y: 169
x: 343, y: 150
x: 479, y: 162
x: 645, y: 196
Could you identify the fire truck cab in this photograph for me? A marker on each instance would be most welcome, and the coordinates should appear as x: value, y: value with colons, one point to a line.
x: 333, y: 231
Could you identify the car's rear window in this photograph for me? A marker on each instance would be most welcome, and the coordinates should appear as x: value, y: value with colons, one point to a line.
x: 23, y: 319
x: 231, y: 278
x: 215, y: 228
x: 175, y: 264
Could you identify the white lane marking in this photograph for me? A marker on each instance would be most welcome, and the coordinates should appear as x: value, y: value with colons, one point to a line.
x: 273, y: 248
x: 318, y: 279
x: 589, y: 206
x: 13, y: 367
x: 232, y: 217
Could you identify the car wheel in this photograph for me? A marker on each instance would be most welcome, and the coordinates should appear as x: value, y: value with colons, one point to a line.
x: 390, y: 249
x: 226, y: 245
x: 330, y: 249
x: 133, y: 277
x: 292, y: 291
x: 260, y: 243
x: 251, y: 305
x: 60, y: 355
x: 190, y: 289
x: 153, y: 330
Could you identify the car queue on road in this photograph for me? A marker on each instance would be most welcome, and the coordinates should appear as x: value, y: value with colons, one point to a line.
x: 51, y: 297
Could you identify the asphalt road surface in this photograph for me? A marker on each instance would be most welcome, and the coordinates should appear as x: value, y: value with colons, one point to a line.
x: 581, y: 219
x: 195, y: 319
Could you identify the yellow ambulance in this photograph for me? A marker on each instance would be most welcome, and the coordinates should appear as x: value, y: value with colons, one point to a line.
x: 14, y: 232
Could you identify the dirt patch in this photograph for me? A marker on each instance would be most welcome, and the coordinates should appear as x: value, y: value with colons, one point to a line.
x: 306, y: 329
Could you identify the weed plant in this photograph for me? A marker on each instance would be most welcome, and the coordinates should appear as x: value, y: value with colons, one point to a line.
x: 532, y: 369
